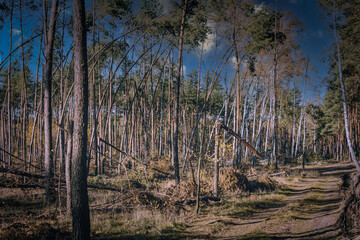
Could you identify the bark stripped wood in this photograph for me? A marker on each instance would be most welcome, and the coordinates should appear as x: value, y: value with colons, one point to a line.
x: 16, y: 157
x: 21, y: 173
x: 188, y: 201
x: 242, y: 141
x: 276, y: 174
x: 132, y: 157
x: 38, y: 176
x: 18, y: 185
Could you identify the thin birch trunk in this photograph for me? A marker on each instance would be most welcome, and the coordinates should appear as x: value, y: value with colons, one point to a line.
x: 303, y: 150
x: 68, y: 168
x: 298, y: 133
x: 343, y: 95
x: 216, y: 164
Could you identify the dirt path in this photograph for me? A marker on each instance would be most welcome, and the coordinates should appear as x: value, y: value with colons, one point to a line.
x: 306, y: 209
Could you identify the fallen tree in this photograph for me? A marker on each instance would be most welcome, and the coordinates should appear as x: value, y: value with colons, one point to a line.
x: 38, y: 176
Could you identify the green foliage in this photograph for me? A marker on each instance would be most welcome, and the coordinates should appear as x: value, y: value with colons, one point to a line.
x: 330, y: 114
x: 288, y: 107
x: 261, y: 30
x: 4, y: 11
x: 168, y: 24
x: 114, y: 8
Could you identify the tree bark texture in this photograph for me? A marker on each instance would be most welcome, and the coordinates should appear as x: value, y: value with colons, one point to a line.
x: 49, y: 163
x: 177, y: 98
x: 79, y: 194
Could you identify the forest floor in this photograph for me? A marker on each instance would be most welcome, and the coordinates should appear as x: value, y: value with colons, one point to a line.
x: 305, y: 205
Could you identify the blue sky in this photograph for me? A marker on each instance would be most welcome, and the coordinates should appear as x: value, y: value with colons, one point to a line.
x: 313, y: 41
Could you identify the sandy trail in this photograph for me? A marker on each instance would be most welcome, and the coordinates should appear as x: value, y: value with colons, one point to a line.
x: 309, y: 211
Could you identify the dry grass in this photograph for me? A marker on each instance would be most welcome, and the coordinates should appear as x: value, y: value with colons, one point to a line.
x: 140, y: 222
x: 24, y: 215
x: 243, y: 207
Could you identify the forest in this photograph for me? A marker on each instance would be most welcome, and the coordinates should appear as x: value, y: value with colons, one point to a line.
x: 178, y: 119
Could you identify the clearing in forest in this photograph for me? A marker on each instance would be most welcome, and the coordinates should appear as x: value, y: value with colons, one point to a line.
x: 307, y: 207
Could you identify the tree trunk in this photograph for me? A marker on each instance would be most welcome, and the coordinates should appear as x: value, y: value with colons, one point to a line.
x: 274, y: 93
x: 216, y: 164
x: 8, y: 86
x: 343, y: 95
x: 49, y: 163
x: 304, y: 139
x: 79, y: 194
x: 23, y: 93
x: 68, y: 168
x: 293, y: 130
x: 2, y: 129
x: 298, y: 133
x: 177, y: 98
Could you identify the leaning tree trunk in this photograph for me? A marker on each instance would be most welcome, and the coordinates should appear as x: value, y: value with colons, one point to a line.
x: 79, y: 194
x: 298, y: 133
x: 49, y: 164
x: 343, y: 94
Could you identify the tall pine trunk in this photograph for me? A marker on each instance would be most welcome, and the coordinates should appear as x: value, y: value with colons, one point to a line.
x: 8, y: 86
x: 49, y: 164
x: 177, y: 98
x: 79, y: 194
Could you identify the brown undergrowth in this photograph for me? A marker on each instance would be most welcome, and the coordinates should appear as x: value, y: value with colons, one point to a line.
x: 146, y: 204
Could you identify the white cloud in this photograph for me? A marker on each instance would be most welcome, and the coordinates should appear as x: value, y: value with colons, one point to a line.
x: 243, y: 63
x: 15, y: 31
x: 209, y: 42
x: 184, y: 70
x: 233, y: 61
